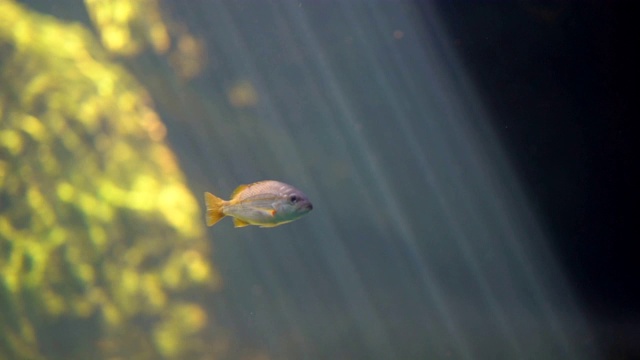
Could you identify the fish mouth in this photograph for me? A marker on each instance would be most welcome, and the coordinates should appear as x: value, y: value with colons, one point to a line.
x: 308, y: 207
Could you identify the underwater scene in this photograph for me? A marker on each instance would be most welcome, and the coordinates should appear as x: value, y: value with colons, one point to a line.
x: 393, y: 223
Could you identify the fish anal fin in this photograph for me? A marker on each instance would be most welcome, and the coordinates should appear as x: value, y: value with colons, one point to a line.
x: 239, y: 223
x: 214, y: 208
x: 238, y: 190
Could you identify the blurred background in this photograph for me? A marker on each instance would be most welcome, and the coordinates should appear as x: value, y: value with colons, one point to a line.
x: 469, y: 165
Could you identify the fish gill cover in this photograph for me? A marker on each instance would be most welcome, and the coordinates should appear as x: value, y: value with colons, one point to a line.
x: 90, y: 235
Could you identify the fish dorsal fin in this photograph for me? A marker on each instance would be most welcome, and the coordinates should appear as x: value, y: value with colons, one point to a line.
x: 239, y: 223
x: 238, y: 190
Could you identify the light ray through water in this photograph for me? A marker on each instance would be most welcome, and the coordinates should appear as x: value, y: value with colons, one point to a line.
x: 381, y: 184
x: 453, y: 219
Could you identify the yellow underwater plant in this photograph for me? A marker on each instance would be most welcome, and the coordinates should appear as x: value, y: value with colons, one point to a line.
x: 101, y: 242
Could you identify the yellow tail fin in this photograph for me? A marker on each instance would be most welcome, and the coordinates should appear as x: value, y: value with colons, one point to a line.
x: 214, y: 208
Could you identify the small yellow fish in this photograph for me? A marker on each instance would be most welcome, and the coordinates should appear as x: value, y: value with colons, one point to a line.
x: 266, y: 203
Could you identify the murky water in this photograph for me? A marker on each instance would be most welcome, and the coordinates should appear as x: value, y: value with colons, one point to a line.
x: 421, y: 244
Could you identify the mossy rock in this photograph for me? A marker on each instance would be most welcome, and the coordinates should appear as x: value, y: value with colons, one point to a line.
x: 102, y: 245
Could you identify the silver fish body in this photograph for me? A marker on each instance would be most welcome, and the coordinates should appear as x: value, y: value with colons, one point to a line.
x: 266, y: 203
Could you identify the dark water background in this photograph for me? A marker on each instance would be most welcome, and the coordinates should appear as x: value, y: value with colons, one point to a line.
x: 469, y: 165
x: 561, y: 79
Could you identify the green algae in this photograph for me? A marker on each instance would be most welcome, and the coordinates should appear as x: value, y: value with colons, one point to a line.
x: 101, y: 242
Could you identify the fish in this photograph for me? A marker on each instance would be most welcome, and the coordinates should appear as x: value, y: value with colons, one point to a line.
x: 265, y: 203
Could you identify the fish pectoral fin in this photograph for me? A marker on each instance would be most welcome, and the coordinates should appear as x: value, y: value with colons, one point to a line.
x: 267, y: 211
x: 239, y: 223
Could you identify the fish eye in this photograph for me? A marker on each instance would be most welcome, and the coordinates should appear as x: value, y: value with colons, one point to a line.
x: 293, y: 199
